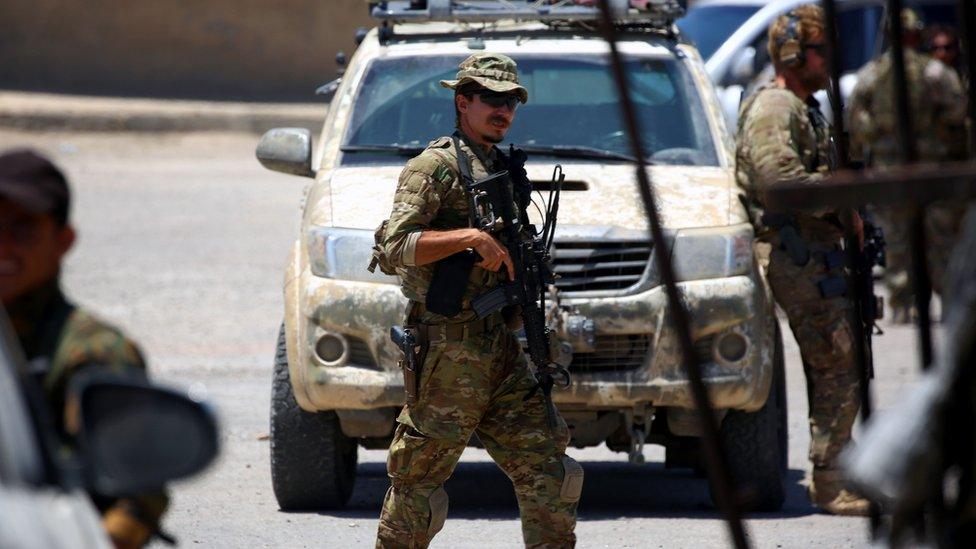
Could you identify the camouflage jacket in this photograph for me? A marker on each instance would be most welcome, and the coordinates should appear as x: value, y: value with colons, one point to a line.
x: 782, y: 139
x: 938, y: 105
x: 59, y: 341
x: 431, y: 196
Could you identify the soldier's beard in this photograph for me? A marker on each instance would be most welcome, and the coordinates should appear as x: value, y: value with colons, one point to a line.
x: 814, y: 81
x: 493, y: 139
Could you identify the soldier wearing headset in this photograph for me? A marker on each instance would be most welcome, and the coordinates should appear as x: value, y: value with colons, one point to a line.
x: 784, y: 138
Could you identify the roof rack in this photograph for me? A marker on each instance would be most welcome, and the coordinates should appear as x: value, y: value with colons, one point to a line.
x: 657, y: 13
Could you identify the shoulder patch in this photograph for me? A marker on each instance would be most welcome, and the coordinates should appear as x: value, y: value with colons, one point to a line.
x: 439, y: 143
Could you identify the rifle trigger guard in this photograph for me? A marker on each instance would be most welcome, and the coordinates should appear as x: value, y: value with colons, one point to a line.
x: 563, y: 374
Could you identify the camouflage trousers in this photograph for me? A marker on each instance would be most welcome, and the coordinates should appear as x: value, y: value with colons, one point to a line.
x: 479, y: 385
x: 941, y: 226
x: 822, y: 330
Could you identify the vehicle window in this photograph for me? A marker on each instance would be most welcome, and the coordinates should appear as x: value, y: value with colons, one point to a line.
x: 572, y: 102
x: 859, y: 29
x: 709, y: 26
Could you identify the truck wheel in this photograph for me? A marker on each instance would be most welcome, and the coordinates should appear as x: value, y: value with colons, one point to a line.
x: 756, y: 445
x: 313, y: 465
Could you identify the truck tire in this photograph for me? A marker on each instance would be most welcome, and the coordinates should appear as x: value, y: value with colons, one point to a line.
x: 756, y: 445
x: 313, y: 465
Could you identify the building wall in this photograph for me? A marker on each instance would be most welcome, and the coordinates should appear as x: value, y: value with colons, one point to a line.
x: 269, y: 50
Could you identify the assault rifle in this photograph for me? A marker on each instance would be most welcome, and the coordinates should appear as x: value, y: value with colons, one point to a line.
x: 871, y: 306
x: 492, y: 203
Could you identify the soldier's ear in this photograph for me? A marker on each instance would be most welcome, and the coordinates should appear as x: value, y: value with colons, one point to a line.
x: 461, y: 102
x: 66, y: 239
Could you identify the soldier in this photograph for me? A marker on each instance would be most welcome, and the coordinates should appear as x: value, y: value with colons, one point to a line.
x: 942, y: 43
x: 474, y: 378
x: 938, y: 106
x: 783, y: 137
x: 59, y: 339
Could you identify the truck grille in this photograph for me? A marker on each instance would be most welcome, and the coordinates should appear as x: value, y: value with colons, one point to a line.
x: 592, y: 265
x: 613, y: 353
x: 359, y: 353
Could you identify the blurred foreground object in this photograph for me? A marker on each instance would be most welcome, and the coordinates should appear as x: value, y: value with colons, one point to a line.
x: 61, y: 341
x: 133, y: 437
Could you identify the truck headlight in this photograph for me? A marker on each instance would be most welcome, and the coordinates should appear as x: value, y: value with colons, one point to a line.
x: 343, y: 254
x: 712, y: 252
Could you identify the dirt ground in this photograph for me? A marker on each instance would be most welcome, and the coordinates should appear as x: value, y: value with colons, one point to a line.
x: 182, y: 241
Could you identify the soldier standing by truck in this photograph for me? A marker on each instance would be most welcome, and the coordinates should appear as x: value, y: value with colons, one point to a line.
x: 473, y: 377
x: 59, y: 339
x: 783, y: 137
x: 939, y: 122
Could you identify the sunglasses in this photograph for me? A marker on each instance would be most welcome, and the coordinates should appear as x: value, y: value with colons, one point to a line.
x: 947, y: 47
x: 498, y: 100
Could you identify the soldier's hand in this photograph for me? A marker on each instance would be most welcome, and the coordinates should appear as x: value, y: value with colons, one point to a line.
x: 858, y: 228
x: 493, y: 254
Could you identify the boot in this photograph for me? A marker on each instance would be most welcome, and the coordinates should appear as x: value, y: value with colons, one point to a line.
x: 902, y: 314
x: 827, y: 492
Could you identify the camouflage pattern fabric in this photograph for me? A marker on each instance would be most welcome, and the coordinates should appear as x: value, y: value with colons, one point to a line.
x: 479, y: 385
x: 823, y: 331
x: 81, y: 342
x: 777, y: 143
x: 494, y: 71
x: 430, y: 195
x: 476, y: 385
x: 939, y: 117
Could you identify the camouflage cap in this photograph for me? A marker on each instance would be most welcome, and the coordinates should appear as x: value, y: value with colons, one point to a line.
x: 493, y: 71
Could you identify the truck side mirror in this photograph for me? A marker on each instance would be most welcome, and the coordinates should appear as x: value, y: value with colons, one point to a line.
x: 135, y: 436
x: 286, y: 150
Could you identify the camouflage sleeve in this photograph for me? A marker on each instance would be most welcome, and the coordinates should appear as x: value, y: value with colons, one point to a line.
x: 88, y: 343
x: 423, y: 184
x: 947, y: 93
x: 859, y: 117
x: 774, y: 130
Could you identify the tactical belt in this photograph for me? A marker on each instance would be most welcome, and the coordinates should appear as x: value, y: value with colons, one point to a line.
x: 461, y: 330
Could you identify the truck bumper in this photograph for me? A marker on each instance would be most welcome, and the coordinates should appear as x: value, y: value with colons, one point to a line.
x: 366, y: 375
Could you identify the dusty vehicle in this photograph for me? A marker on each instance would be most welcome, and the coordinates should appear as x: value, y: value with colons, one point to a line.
x: 336, y: 383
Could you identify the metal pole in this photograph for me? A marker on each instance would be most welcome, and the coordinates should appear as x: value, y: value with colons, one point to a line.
x: 715, y: 457
x: 862, y: 346
x: 906, y: 133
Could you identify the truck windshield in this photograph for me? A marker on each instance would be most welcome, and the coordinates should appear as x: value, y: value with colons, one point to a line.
x: 400, y: 107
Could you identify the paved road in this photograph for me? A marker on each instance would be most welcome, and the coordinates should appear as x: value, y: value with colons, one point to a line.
x: 182, y: 242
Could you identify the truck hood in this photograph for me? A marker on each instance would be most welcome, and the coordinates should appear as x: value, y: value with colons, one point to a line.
x: 594, y: 194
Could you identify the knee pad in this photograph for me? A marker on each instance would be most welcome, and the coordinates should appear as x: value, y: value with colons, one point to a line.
x: 438, y: 510
x: 572, y: 486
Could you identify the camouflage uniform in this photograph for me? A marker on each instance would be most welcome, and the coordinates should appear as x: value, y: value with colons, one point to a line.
x: 60, y: 341
x: 939, y: 115
x: 779, y: 142
x: 475, y: 379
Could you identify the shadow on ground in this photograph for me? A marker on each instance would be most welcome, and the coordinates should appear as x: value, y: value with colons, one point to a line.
x: 612, y: 489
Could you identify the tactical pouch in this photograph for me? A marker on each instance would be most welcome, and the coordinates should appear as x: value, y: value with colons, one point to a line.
x: 411, y: 381
x: 834, y: 260
x: 449, y: 282
x: 832, y: 286
x: 795, y: 246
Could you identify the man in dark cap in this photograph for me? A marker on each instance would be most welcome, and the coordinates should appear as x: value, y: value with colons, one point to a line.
x: 59, y: 339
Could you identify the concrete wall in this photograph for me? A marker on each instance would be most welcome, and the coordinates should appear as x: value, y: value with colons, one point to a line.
x: 270, y: 50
